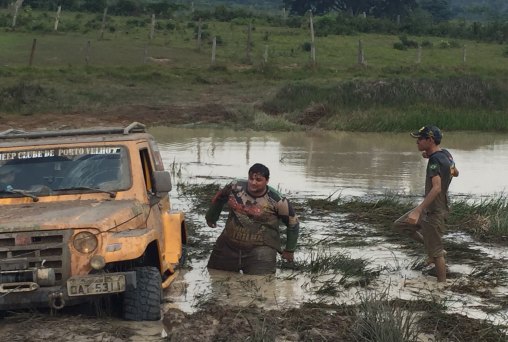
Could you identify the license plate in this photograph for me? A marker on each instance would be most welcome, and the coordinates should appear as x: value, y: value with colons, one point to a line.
x: 94, y: 285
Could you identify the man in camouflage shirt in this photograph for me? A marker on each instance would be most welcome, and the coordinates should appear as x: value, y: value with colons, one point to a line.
x: 251, y: 238
x: 426, y: 222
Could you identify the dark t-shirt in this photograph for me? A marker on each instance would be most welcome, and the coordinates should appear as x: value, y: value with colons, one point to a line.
x: 440, y: 163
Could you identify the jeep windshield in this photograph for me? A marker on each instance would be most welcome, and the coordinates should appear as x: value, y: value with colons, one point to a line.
x: 35, y: 172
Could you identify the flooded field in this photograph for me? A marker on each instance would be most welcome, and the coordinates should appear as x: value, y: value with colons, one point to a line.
x: 347, y: 265
x: 330, y: 165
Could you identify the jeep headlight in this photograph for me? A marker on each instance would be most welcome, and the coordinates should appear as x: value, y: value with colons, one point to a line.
x: 85, y: 242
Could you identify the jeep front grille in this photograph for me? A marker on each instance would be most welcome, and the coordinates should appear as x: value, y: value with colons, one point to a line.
x: 50, y: 247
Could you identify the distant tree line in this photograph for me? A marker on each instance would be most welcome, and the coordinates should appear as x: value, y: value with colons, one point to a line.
x: 339, y: 17
x: 162, y: 8
x: 439, y: 9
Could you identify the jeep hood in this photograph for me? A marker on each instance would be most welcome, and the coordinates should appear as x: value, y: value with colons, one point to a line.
x: 101, y: 215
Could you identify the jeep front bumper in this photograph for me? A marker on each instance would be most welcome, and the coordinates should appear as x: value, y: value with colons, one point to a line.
x: 76, y: 290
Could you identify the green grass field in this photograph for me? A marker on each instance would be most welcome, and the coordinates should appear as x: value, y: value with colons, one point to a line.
x: 126, y: 68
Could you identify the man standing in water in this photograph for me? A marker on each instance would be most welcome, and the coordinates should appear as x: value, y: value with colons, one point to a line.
x: 426, y: 222
x: 251, y: 238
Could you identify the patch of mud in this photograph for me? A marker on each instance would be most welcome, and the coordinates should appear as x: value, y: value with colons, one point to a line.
x: 28, y: 327
x: 120, y: 116
x: 231, y: 323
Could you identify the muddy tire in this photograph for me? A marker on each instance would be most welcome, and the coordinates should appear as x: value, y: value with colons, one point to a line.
x: 144, y: 302
x: 183, y: 257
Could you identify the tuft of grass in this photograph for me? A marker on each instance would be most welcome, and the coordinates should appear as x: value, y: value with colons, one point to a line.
x: 200, y: 194
x: 456, y: 327
x: 352, y: 271
x: 485, y: 218
x: 491, y: 274
x: 379, y: 320
x: 380, y: 212
x: 25, y: 96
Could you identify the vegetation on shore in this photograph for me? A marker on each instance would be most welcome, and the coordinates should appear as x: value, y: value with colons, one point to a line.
x: 486, y: 220
x: 271, y: 83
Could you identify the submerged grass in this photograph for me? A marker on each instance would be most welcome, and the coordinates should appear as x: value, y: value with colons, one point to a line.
x: 379, y: 212
x: 198, y: 194
x: 455, y: 327
x: 347, y: 271
x: 486, y: 219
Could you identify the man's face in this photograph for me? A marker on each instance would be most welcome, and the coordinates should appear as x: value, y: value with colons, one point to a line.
x: 423, y: 143
x: 257, y: 184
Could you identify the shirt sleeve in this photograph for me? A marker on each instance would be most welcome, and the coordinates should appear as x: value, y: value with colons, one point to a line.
x: 217, y: 203
x: 288, y: 216
x: 434, y: 167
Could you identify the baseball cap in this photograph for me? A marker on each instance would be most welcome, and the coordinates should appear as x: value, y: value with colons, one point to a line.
x: 428, y: 131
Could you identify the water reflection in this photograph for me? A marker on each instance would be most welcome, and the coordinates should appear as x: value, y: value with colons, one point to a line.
x: 321, y: 163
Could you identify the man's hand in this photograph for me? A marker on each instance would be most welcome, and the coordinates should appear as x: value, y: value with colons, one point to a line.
x: 211, y: 224
x: 413, y: 217
x: 288, y: 256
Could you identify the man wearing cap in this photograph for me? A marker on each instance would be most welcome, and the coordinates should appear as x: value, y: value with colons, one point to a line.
x: 426, y: 222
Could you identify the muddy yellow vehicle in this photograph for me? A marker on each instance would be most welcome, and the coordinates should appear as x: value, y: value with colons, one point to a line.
x: 86, y: 213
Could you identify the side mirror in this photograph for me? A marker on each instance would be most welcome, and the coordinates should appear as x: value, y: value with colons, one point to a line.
x: 161, y: 182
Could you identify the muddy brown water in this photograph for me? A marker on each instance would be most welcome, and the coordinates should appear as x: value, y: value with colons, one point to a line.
x: 303, y: 165
x: 319, y: 165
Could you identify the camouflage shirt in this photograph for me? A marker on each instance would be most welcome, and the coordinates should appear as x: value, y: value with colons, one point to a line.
x: 440, y: 164
x: 254, y: 221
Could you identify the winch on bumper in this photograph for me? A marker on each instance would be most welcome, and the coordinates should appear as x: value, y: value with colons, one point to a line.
x: 21, y: 286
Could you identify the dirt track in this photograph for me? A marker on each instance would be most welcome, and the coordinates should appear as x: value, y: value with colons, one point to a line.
x: 121, y: 116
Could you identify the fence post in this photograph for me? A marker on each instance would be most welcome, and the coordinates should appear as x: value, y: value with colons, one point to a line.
x: 214, y: 47
x: 145, y: 54
x: 312, y: 43
x: 32, y: 53
x: 419, y: 54
x: 265, y: 55
x: 57, y: 18
x: 361, y: 56
x: 398, y: 19
x: 87, y: 52
x: 249, y: 44
x: 152, y: 28
x: 464, y: 52
x: 17, y: 6
x: 103, y: 25
x: 200, y: 33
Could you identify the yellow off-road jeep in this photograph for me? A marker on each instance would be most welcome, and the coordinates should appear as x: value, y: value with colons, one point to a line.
x: 86, y: 212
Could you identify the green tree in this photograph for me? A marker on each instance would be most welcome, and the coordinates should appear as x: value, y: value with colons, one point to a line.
x: 125, y: 7
x: 93, y: 5
x: 439, y: 9
x: 323, y: 6
x: 393, y: 8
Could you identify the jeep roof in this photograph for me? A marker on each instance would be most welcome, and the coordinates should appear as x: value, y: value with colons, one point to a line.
x: 15, y: 137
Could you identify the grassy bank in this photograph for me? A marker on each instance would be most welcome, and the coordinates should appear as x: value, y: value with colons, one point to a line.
x: 456, y: 103
x: 271, y: 86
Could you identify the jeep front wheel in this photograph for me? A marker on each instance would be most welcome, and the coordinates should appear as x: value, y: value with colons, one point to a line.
x: 144, y: 302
